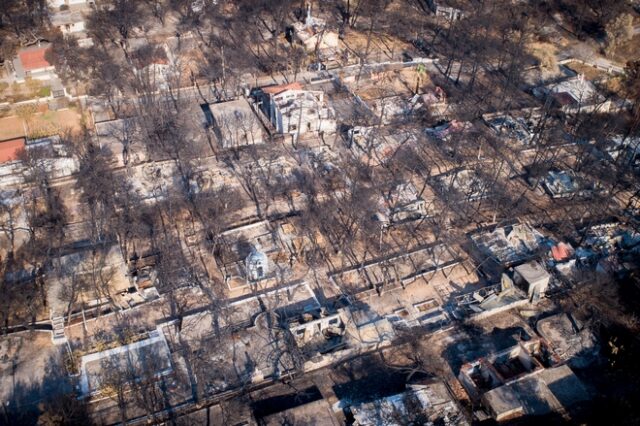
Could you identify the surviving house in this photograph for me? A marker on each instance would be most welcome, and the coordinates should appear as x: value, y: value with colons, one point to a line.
x: 10, y: 149
x: 532, y: 278
x: 31, y: 63
x: 575, y: 95
x: 447, y: 11
x: 296, y: 111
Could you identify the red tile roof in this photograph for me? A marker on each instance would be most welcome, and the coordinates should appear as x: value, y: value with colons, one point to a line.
x: 561, y: 252
x: 33, y: 59
x: 564, y: 98
x: 274, y: 90
x: 10, y: 149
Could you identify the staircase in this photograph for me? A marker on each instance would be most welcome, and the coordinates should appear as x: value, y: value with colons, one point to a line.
x: 58, y: 337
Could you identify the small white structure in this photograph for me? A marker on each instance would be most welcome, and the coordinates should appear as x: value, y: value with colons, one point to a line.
x: 533, y: 278
x: 256, y: 264
x: 58, y: 3
x: 449, y: 13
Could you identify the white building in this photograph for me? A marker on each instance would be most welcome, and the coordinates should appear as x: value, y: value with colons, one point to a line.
x: 70, y: 21
x: 532, y: 278
x: 257, y: 265
x: 295, y: 111
x: 58, y: 3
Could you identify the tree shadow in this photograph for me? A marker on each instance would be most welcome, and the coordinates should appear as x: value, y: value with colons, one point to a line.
x: 52, y: 401
x: 475, y: 343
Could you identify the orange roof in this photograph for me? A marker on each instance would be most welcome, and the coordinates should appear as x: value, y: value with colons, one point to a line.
x: 10, y: 149
x: 33, y: 59
x: 274, y: 90
x: 561, y: 252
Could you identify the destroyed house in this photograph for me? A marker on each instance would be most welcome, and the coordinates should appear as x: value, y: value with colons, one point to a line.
x: 490, y: 300
x: 508, y: 245
x: 569, y: 339
x: 517, y: 129
x: 234, y: 123
x: 447, y: 130
x: 625, y: 150
x: 394, y: 109
x: 315, y: 413
x: 375, y: 146
x: 402, y: 203
x: 429, y: 402
x: 245, y: 341
x: 465, y: 183
x: 545, y: 391
x: 320, y: 333
x: 525, y: 379
x: 566, y: 183
x: 395, y: 270
x: 145, y: 359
